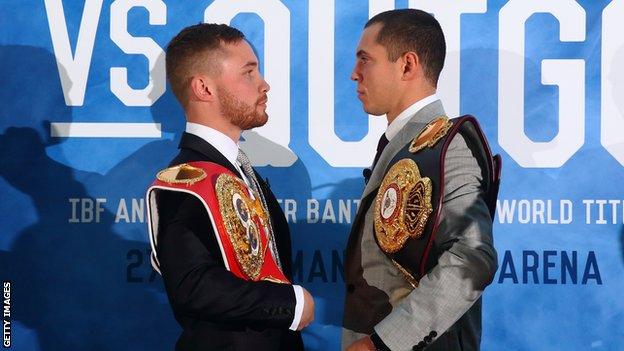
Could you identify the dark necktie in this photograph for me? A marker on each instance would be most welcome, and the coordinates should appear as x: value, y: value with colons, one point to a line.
x: 245, y: 164
x: 383, y: 142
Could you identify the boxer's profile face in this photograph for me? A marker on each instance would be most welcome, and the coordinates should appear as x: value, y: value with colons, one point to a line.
x: 375, y: 74
x: 241, y: 90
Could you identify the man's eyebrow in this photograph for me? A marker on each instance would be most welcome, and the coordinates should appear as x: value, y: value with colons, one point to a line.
x: 361, y: 53
x: 250, y: 64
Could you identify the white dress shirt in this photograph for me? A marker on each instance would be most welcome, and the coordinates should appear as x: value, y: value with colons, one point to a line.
x: 229, y: 148
x: 401, y: 120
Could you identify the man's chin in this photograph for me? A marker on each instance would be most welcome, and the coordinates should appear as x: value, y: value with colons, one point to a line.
x: 258, y: 122
x: 262, y: 120
x: 373, y: 112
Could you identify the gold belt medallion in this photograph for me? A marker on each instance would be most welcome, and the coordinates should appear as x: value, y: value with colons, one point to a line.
x: 402, y: 206
x: 243, y: 218
x: 181, y: 174
x: 431, y: 134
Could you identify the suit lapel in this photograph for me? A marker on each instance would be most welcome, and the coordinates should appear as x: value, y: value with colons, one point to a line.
x: 407, y: 133
x: 197, y: 144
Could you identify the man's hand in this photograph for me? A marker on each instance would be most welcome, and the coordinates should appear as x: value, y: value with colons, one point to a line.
x: 364, y: 344
x: 308, y: 310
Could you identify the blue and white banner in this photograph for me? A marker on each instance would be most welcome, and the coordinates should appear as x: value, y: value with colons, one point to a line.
x: 86, y: 121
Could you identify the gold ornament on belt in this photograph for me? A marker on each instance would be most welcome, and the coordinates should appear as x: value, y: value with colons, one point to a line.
x: 431, y: 134
x: 402, y: 206
x: 181, y: 174
x: 270, y: 278
x: 243, y: 217
x: 406, y: 274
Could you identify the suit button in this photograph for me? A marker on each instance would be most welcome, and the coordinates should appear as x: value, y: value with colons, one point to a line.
x: 433, y: 334
x: 350, y: 288
x: 427, y: 339
x: 421, y: 345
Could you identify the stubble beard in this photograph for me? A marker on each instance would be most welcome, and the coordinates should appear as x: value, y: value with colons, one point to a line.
x: 239, y: 113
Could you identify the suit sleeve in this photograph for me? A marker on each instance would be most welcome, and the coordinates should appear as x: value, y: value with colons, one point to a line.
x: 466, y: 266
x: 196, y: 281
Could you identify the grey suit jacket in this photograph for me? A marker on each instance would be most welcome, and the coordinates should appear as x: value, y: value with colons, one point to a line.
x: 444, y: 312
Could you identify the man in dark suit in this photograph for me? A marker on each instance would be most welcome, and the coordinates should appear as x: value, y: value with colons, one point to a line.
x: 420, y: 252
x: 214, y: 74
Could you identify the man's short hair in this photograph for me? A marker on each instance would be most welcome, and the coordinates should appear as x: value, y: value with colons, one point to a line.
x: 413, y: 30
x: 197, y: 48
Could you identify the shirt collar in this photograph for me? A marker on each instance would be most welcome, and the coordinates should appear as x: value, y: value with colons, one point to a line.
x: 401, y: 120
x: 223, y: 143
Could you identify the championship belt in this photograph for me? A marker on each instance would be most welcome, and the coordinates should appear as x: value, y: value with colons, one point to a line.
x: 239, y: 220
x: 409, y: 200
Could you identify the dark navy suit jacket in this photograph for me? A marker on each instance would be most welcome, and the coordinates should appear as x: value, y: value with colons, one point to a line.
x: 217, y: 310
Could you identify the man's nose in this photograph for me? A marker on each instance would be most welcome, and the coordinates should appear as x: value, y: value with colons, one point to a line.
x: 355, y: 76
x: 265, y: 86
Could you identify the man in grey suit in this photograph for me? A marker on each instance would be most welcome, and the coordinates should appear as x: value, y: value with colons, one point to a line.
x: 420, y: 252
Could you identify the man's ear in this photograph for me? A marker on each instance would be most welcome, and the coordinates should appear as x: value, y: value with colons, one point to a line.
x: 412, y: 68
x: 203, y: 88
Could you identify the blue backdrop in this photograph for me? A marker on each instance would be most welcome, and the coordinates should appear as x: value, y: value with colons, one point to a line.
x: 86, y: 120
